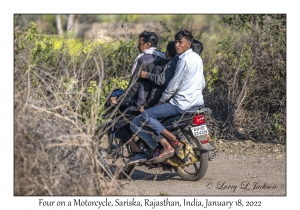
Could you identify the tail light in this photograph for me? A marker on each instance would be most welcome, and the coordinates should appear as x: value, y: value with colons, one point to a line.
x: 205, y: 141
x: 198, y: 119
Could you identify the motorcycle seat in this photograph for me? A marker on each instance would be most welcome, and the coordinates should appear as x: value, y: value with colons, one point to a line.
x: 187, y: 116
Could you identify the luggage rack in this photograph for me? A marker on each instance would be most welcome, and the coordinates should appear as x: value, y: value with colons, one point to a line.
x: 176, y: 121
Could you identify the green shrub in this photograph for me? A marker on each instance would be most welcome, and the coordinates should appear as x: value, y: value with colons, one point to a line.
x: 246, y: 80
x: 237, y: 61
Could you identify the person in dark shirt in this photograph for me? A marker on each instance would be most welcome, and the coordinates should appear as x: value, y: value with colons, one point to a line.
x: 167, y: 73
x: 155, y: 68
x: 139, y: 93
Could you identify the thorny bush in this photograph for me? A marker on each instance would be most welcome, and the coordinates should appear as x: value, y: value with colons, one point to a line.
x: 247, y: 86
x: 58, y: 102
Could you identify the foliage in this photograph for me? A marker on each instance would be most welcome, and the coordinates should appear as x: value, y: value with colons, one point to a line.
x: 60, y: 86
x: 249, y: 92
x: 73, y: 61
x: 250, y: 49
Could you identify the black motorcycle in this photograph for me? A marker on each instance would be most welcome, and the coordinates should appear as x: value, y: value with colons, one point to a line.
x: 190, y: 128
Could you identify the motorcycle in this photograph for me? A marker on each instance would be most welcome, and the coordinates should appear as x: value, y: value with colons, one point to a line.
x: 189, y: 127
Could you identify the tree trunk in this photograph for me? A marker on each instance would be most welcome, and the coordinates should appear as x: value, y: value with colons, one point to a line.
x: 76, y: 25
x: 70, y: 23
x: 58, y: 24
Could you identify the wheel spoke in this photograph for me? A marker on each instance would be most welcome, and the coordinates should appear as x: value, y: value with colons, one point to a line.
x: 195, y: 166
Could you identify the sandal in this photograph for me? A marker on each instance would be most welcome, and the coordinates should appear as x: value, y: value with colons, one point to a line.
x: 176, y: 146
x: 163, y: 156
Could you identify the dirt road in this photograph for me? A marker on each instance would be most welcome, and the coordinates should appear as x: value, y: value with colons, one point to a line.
x: 241, y: 168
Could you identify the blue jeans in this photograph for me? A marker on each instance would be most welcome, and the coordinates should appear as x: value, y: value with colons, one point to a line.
x: 147, y: 126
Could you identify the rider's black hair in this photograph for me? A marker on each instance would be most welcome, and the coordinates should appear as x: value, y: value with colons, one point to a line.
x: 171, y: 48
x: 197, y: 46
x: 184, y: 33
x: 149, y: 37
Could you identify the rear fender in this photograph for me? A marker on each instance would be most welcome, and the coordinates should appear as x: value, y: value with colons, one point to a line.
x: 205, y: 147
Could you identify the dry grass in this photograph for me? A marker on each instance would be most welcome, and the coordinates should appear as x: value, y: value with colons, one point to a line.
x: 56, y: 148
x: 53, y: 156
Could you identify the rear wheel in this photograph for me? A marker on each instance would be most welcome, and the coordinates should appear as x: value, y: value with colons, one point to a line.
x: 197, y: 170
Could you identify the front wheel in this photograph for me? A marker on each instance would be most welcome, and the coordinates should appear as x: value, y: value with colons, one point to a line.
x: 118, y: 154
x: 197, y: 170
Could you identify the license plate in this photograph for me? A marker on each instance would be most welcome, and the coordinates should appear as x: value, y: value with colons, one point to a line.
x: 199, y: 130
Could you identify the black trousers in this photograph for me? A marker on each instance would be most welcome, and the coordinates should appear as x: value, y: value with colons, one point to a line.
x: 123, y: 128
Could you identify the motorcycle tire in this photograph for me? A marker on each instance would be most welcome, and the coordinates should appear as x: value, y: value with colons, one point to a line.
x: 116, y: 151
x: 196, y: 171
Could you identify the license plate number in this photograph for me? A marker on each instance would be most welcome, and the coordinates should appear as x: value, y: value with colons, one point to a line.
x: 199, y: 130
